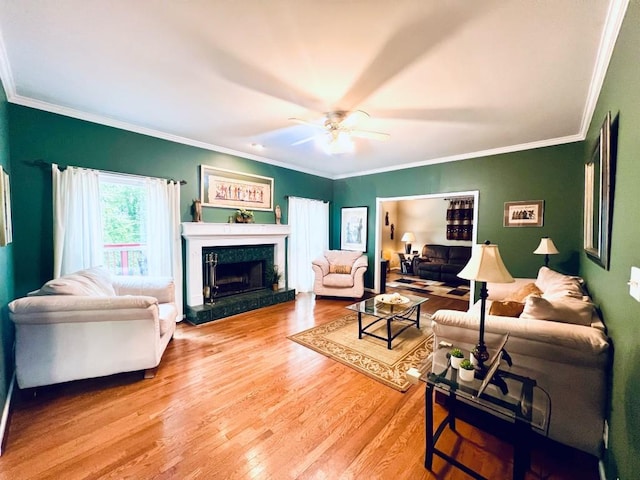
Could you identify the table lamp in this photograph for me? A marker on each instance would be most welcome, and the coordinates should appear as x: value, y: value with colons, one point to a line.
x: 408, y: 237
x: 546, y: 248
x: 484, y: 266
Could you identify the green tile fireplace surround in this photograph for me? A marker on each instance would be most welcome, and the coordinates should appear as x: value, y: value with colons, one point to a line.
x: 243, y: 302
x: 233, y: 243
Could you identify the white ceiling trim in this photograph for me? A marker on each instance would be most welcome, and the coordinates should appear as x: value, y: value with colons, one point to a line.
x: 612, y: 25
x: 467, y: 156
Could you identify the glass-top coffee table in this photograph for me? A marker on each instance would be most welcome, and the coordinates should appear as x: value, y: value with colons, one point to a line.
x: 405, y: 315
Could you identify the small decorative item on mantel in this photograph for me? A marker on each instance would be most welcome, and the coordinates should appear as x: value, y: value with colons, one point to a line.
x: 244, y: 216
x: 196, y: 211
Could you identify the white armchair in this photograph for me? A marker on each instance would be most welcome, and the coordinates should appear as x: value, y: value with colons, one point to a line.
x: 90, y: 324
x: 340, y: 273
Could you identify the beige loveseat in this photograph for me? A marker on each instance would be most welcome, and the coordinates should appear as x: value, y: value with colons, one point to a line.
x: 90, y: 324
x: 340, y: 273
x: 557, y: 338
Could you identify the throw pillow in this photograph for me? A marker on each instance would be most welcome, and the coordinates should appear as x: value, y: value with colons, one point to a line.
x: 567, y: 310
x: 339, y: 268
x: 506, y: 308
x: 523, y: 292
x: 557, y: 285
x: 94, y: 282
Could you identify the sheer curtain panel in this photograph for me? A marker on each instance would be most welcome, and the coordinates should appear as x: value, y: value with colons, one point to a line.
x: 164, y: 244
x: 309, y: 220
x: 77, y: 220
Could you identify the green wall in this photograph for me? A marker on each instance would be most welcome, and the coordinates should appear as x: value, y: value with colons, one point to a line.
x: 38, y: 135
x: 552, y: 174
x: 6, y: 268
x: 621, y: 95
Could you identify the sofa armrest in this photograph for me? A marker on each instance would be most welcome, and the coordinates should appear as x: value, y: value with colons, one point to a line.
x: 361, y: 262
x: 161, y: 288
x: 321, y: 263
x: 75, y: 308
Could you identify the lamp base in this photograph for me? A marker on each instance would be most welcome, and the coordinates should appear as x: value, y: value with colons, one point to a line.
x: 407, y: 248
x: 480, y: 355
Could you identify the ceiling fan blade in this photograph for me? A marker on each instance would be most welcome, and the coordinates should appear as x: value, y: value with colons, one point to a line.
x: 304, y: 140
x: 370, y: 134
x: 304, y: 122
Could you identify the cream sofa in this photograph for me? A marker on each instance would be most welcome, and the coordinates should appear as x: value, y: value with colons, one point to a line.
x: 90, y: 324
x: 340, y: 273
x: 558, y: 339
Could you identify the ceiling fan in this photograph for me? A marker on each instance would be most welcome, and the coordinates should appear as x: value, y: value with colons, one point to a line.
x: 340, y: 126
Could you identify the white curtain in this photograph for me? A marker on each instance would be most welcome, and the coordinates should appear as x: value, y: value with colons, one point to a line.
x: 164, y: 243
x: 309, y: 220
x: 77, y: 220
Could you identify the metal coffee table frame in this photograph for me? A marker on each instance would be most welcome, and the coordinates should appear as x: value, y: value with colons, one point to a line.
x: 388, y: 313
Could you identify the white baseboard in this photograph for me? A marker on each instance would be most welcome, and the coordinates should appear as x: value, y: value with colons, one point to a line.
x: 4, y: 422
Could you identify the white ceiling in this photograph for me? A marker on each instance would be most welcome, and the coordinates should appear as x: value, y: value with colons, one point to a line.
x: 446, y: 79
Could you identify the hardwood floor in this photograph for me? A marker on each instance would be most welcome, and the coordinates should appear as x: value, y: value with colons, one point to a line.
x: 235, y: 399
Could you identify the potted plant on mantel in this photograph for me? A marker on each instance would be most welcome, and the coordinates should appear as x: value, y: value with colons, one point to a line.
x: 244, y: 216
x: 276, y: 275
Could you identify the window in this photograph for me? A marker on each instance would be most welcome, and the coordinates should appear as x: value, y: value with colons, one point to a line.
x: 123, y: 204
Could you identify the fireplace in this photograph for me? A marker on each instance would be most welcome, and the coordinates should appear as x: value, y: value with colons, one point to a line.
x: 234, y: 270
x: 200, y: 236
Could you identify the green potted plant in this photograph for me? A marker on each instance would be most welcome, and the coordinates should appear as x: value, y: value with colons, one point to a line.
x: 466, y: 370
x: 275, y: 275
x: 456, y: 356
x: 244, y: 216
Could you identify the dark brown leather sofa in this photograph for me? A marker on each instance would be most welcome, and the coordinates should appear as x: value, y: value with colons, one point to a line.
x: 442, y: 263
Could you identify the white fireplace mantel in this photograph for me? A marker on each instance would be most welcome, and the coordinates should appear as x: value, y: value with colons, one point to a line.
x: 200, y: 234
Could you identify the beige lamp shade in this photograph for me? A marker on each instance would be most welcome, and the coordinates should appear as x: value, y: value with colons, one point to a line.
x: 486, y: 265
x: 546, y: 247
x: 408, y: 237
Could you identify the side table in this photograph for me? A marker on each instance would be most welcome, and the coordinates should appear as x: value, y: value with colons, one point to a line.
x: 523, y: 409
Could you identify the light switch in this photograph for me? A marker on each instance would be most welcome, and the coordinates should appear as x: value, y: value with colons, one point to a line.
x: 634, y: 283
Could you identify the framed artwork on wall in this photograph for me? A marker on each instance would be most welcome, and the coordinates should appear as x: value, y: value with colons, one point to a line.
x: 353, y: 229
x: 228, y: 189
x: 598, y: 195
x: 524, y: 214
x: 6, y: 231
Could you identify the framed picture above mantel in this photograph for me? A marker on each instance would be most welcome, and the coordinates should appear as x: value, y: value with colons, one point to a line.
x: 236, y: 190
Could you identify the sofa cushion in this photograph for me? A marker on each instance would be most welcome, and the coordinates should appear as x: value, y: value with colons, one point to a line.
x: 342, y: 257
x: 506, y: 308
x: 436, y: 253
x: 459, y: 255
x: 567, y: 310
x: 555, y: 285
x: 338, y: 280
x: 93, y: 282
x: 523, y: 292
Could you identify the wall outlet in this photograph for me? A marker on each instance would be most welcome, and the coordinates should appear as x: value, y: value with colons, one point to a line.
x: 605, y: 434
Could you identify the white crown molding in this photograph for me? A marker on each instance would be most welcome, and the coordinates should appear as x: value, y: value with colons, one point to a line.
x: 110, y: 122
x: 612, y: 25
x: 467, y: 156
x: 5, y: 70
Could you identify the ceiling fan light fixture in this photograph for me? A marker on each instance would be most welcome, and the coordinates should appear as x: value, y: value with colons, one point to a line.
x: 340, y: 142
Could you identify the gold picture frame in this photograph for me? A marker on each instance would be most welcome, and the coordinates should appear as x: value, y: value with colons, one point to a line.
x: 236, y: 190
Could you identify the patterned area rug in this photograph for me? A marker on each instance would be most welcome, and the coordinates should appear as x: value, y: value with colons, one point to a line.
x: 440, y: 289
x: 339, y: 340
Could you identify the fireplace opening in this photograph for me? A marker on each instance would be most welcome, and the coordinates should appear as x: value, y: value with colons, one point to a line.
x: 234, y: 270
x: 234, y: 278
